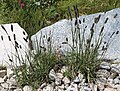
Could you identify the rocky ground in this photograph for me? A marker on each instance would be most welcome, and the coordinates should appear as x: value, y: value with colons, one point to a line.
x: 107, y: 79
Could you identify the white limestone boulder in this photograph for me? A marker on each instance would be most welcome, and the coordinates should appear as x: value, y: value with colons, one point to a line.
x: 14, y: 45
x: 60, y: 32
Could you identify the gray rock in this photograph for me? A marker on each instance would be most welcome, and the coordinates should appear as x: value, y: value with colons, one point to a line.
x: 5, y: 85
x: 112, y: 75
x: 4, y: 89
x: 101, y: 80
x: 52, y: 75
x: 117, y: 80
x: 117, y: 87
x: 59, y: 75
x: 27, y: 88
x: 58, y: 81
x: 101, y: 86
x: 9, y: 72
x: 48, y: 88
x: 115, y: 69
x: 18, y: 89
x: 93, y: 87
x: 110, y: 80
x: 66, y: 80
x: 12, y: 82
x: 3, y: 73
x: 80, y: 76
x: 43, y: 85
x: 109, y: 89
x: 87, y: 89
x: 60, y: 33
x: 77, y: 80
x: 72, y: 87
x: 55, y: 77
x: 103, y: 73
x: 1, y: 80
x: 105, y: 65
x: 61, y: 88
x: 14, y: 44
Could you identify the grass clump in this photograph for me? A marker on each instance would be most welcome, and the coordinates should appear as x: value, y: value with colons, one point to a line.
x: 37, y: 73
x: 87, y: 51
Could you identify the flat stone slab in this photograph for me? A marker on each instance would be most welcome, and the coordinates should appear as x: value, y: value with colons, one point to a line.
x: 13, y: 44
x: 60, y: 32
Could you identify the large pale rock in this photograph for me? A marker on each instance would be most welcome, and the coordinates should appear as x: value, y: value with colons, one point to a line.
x: 14, y: 44
x: 60, y: 32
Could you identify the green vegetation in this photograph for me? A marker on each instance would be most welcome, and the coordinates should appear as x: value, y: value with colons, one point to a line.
x: 37, y: 73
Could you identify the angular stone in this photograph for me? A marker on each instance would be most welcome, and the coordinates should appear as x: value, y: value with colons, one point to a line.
x: 110, y: 80
x: 4, y: 89
x: 5, y: 85
x: 105, y: 65
x: 5, y: 78
x: 12, y: 81
x: 39, y: 89
x: 93, y: 87
x: 58, y: 81
x: 115, y: 69
x: 52, y: 75
x: 77, y: 80
x: 3, y: 73
x: 48, y: 88
x: 80, y: 76
x: 87, y: 89
x: 18, y: 89
x: 59, y: 75
x: 9, y: 72
x: 109, y: 89
x: 107, y: 22
x: 14, y: 44
x: 110, y: 85
x: 117, y: 87
x: 66, y: 80
x: 27, y: 88
x: 72, y: 87
x: 101, y: 86
x: 102, y: 79
x: 113, y: 75
x: 43, y: 85
x: 117, y: 80
x: 103, y: 73
x: 61, y: 87
x: 1, y: 80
